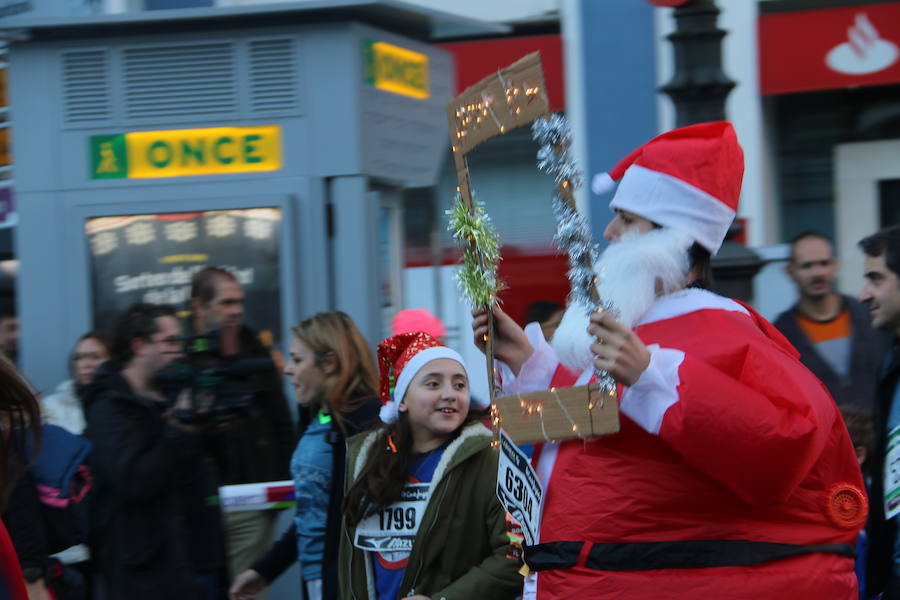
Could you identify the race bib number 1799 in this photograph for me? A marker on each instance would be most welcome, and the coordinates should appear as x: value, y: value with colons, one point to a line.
x: 393, y: 529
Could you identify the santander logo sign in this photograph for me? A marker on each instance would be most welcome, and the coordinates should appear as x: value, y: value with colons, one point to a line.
x: 847, y: 47
x: 864, y: 51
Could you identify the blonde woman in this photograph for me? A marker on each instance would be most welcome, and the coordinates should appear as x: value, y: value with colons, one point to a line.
x: 333, y: 373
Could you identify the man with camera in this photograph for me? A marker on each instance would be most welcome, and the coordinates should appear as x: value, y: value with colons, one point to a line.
x: 257, y: 447
x: 142, y: 457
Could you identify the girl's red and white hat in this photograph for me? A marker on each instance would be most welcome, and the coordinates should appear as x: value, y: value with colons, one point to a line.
x: 400, y: 357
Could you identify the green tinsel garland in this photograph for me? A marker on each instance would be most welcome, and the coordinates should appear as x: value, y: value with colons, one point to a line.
x: 477, y: 279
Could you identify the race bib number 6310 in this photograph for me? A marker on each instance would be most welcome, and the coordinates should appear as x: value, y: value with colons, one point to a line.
x: 519, y: 489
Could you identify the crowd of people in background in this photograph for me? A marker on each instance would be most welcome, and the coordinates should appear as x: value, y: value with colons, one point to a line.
x: 753, y: 461
x: 150, y: 525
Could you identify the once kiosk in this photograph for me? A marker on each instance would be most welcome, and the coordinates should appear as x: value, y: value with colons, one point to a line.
x: 274, y: 140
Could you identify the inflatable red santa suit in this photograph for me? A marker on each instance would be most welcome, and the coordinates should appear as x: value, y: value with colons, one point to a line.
x: 733, y: 475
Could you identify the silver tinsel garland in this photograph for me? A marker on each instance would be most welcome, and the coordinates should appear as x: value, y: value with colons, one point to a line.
x: 572, y: 233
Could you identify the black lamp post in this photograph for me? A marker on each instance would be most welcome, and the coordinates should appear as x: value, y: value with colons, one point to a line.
x: 700, y: 86
x: 699, y: 89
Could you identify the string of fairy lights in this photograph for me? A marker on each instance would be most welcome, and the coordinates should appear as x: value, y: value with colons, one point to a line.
x: 472, y: 115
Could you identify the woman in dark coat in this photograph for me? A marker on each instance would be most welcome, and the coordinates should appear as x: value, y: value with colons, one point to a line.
x: 19, y: 413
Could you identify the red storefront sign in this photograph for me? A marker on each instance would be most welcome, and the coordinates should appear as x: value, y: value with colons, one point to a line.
x: 476, y: 60
x: 831, y: 48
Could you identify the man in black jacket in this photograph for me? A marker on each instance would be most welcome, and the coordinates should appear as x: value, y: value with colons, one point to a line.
x: 881, y: 294
x: 832, y: 332
x: 257, y: 448
x: 140, y: 452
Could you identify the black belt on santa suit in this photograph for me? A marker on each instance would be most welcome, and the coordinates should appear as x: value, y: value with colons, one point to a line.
x: 687, y: 554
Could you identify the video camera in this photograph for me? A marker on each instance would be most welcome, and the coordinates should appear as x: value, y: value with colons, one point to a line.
x: 218, y: 383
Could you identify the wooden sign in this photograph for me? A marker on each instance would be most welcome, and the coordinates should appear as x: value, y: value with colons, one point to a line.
x: 513, y: 97
x: 583, y: 412
x: 510, y: 98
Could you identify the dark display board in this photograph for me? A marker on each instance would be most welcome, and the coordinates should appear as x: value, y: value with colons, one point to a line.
x: 151, y: 258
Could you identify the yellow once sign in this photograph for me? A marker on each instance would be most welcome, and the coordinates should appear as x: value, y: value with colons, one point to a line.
x: 398, y: 70
x: 209, y: 151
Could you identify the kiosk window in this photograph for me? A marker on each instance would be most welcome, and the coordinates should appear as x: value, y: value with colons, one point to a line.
x: 151, y: 258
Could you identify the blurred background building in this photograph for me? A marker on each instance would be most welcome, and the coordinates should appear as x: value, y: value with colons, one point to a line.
x: 365, y: 174
x: 303, y: 144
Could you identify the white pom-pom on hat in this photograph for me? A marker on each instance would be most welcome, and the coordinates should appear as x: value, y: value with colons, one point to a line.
x: 602, y: 183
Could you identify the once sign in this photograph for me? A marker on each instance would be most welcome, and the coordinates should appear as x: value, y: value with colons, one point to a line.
x: 182, y: 152
x: 395, y: 69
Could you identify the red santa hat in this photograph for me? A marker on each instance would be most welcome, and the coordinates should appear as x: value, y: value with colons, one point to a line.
x: 400, y: 357
x: 688, y: 179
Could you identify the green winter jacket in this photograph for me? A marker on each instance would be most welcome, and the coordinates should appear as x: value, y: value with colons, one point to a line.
x: 460, y: 551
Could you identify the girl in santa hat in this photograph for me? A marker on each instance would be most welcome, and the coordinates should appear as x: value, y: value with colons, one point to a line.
x: 333, y: 374
x: 422, y: 518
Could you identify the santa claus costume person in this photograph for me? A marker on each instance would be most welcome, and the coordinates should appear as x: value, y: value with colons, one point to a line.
x: 421, y: 515
x: 732, y: 476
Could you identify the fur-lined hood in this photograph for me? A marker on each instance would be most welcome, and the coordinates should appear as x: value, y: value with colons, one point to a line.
x: 471, y: 440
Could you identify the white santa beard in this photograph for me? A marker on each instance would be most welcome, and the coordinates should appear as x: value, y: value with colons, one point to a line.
x: 632, y: 271
x: 571, y: 341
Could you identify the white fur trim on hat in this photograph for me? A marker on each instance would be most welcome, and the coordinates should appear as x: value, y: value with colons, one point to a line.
x: 389, y: 411
x: 671, y: 202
